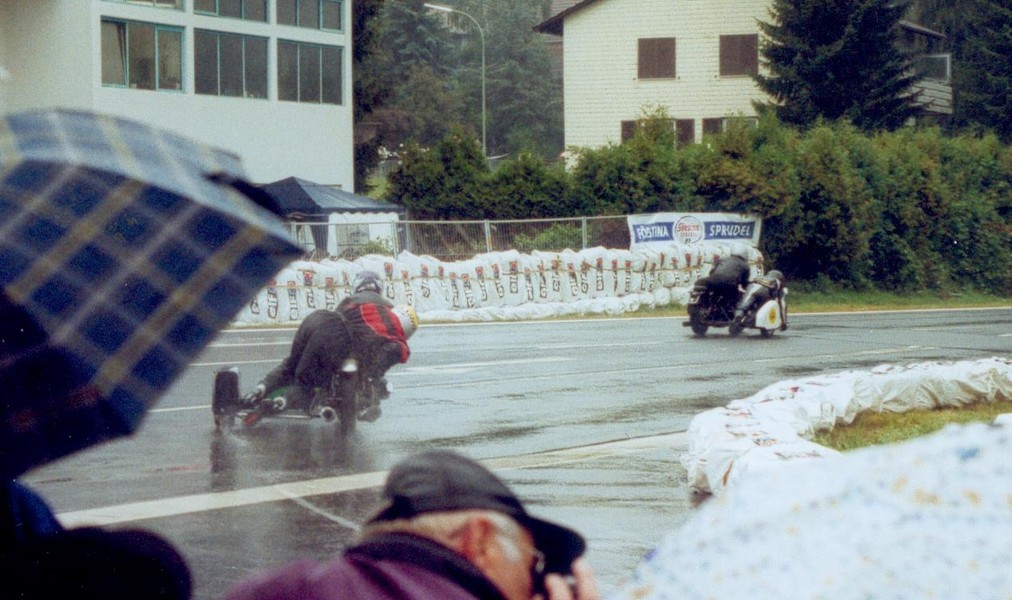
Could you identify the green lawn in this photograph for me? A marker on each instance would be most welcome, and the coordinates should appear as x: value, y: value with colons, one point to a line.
x: 871, y: 428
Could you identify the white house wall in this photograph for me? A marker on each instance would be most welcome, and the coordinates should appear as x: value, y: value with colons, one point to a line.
x: 55, y: 61
x: 42, y: 70
x: 600, y: 58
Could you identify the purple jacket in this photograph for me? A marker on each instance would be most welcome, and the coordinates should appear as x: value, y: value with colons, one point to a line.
x: 389, y: 567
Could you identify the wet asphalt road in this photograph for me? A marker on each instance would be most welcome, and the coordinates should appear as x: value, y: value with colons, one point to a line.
x: 585, y: 419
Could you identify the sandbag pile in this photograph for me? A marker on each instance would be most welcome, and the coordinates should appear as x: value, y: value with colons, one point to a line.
x: 774, y: 425
x: 497, y: 286
x: 927, y: 518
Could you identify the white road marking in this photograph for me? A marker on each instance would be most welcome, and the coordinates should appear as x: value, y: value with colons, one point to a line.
x: 323, y: 513
x: 299, y: 490
x: 465, y: 367
x: 247, y: 344
x: 852, y: 354
x: 599, y: 346
x: 237, y: 362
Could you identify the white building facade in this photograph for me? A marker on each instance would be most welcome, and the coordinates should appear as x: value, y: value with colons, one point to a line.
x: 694, y: 58
x: 269, y: 80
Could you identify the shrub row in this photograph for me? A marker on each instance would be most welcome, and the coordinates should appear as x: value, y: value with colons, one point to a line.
x: 902, y: 211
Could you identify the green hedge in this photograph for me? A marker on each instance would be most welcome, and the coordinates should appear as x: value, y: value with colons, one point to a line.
x: 903, y: 211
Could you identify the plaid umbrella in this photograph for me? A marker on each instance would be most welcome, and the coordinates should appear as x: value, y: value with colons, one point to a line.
x: 123, y: 250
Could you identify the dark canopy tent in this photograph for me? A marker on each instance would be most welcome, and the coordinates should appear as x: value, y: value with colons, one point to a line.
x: 300, y: 200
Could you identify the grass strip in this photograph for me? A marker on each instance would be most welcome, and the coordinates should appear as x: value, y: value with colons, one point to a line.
x: 874, y: 428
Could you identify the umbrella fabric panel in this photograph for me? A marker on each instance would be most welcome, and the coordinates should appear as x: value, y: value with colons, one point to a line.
x: 42, y: 406
x: 123, y: 281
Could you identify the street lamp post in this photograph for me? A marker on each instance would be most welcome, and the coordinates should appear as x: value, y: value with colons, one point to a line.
x: 481, y: 34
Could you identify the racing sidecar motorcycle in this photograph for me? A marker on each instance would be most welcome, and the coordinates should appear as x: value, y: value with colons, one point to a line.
x: 757, y: 308
x: 350, y: 397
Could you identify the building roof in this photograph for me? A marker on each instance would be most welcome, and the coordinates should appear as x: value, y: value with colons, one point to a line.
x: 921, y: 29
x: 554, y: 24
x: 299, y: 196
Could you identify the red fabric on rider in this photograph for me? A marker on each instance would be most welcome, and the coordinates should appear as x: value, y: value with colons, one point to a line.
x: 375, y: 319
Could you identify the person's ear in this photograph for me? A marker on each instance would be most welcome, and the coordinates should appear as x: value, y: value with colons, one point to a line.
x: 477, y: 542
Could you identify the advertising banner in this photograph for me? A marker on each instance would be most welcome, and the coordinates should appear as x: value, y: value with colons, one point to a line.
x: 664, y: 229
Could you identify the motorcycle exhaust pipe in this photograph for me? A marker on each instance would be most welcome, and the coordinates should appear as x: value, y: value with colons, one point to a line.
x: 328, y: 414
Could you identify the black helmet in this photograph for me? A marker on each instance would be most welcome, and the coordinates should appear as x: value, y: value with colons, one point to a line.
x: 367, y: 281
x: 740, y: 249
x: 776, y: 275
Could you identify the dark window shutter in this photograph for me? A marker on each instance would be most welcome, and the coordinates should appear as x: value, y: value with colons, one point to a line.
x: 656, y: 58
x: 739, y: 54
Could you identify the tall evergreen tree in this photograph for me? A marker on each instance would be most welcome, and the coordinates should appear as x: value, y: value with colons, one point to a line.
x: 411, y: 37
x: 371, y: 90
x: 409, y: 59
x: 524, y: 92
x: 984, y: 71
x: 836, y: 59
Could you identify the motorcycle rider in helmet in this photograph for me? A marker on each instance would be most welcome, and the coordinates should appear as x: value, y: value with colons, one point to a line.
x: 728, y: 277
x: 364, y: 326
x: 379, y: 335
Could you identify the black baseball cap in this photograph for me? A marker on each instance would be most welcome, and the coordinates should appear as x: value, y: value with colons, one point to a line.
x: 441, y: 480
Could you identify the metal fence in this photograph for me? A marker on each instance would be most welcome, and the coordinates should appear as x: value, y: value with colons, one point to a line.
x: 458, y: 240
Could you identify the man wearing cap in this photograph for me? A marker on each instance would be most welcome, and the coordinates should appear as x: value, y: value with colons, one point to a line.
x: 451, y: 530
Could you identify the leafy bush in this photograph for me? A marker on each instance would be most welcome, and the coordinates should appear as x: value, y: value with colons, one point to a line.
x: 526, y: 188
x: 906, y: 210
x: 382, y: 246
x: 556, y: 238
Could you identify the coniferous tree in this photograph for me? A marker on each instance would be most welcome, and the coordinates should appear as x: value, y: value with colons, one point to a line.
x: 371, y: 90
x: 836, y: 59
x: 525, y: 95
x: 984, y: 73
x: 413, y: 37
x: 403, y: 80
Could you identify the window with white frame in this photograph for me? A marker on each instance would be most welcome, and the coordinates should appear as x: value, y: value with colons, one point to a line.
x: 933, y: 66
x: 229, y: 64
x: 717, y: 125
x: 142, y: 56
x: 311, y: 14
x: 175, y: 4
x: 249, y: 10
x: 309, y: 72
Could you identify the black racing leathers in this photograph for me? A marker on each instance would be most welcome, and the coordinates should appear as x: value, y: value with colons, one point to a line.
x: 362, y: 326
x: 725, y: 280
x: 320, y: 346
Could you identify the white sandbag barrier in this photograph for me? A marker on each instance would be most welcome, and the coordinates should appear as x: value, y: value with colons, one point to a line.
x: 772, y: 427
x: 498, y: 286
x: 926, y: 518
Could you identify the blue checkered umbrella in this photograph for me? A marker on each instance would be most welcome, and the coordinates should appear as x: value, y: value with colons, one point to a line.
x: 123, y: 250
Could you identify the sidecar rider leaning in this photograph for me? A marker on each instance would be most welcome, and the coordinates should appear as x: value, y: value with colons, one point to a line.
x: 773, y: 288
x: 365, y: 326
x: 728, y: 277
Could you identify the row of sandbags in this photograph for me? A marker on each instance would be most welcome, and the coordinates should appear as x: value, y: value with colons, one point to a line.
x: 497, y: 286
x: 774, y: 425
